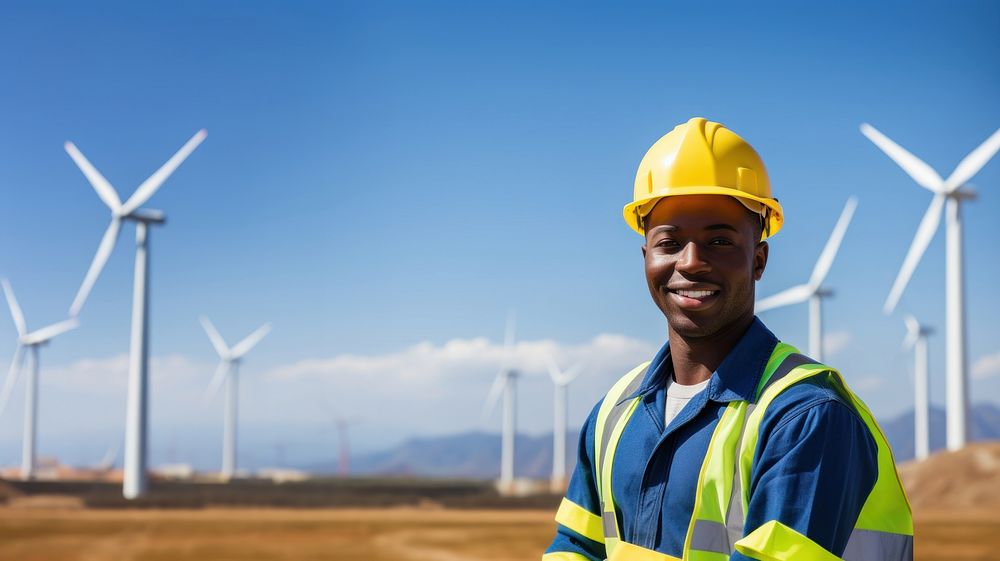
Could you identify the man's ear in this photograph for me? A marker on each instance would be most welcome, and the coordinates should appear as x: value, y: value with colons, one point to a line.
x: 759, y: 260
x: 643, y: 250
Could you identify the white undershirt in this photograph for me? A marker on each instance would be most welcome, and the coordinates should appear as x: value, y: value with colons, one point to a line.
x: 677, y: 397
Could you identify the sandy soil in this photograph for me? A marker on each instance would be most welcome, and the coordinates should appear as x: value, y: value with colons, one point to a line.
x: 50, y: 531
x: 29, y: 534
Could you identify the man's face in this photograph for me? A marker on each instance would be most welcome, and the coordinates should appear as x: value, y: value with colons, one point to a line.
x: 702, y: 257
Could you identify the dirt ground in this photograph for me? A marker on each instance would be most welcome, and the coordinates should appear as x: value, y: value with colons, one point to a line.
x: 54, y: 530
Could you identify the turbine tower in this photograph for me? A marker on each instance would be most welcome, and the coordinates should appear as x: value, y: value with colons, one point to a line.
x: 948, y: 195
x: 31, y: 340
x: 228, y: 370
x: 916, y: 339
x: 504, y: 383
x: 813, y: 290
x: 135, y: 481
x: 561, y: 382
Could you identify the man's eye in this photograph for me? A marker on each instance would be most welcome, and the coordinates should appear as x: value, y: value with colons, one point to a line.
x: 721, y: 241
x: 667, y: 242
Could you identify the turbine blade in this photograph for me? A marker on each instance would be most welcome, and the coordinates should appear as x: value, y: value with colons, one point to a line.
x: 104, y: 189
x: 213, y: 335
x: 554, y: 373
x: 572, y: 373
x: 925, y: 233
x: 832, y: 245
x: 923, y: 174
x: 249, y: 341
x: 15, y: 309
x: 150, y: 185
x: 50, y: 331
x: 220, y: 376
x: 971, y: 164
x: 12, y: 375
x: 495, y: 390
x: 104, y: 250
x: 786, y: 297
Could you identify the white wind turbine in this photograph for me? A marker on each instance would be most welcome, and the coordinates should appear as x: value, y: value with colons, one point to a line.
x: 228, y: 371
x: 504, y: 383
x: 916, y: 339
x: 135, y: 480
x: 32, y: 340
x: 813, y: 290
x: 948, y: 194
x: 561, y: 382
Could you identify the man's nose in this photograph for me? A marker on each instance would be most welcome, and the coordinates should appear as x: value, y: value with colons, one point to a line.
x: 691, y: 261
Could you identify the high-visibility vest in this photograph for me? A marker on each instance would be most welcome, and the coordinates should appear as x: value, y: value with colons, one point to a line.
x: 884, y: 529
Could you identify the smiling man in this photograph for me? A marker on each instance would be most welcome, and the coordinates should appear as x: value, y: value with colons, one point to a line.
x: 728, y: 444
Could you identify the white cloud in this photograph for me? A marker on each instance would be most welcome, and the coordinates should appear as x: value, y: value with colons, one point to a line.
x: 986, y: 366
x: 835, y: 341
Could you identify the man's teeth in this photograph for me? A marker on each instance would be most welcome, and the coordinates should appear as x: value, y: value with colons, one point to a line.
x: 696, y: 293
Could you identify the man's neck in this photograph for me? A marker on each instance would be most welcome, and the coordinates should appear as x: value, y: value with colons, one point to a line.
x: 695, y: 358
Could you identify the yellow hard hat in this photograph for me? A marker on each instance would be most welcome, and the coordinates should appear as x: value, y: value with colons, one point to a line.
x: 700, y: 157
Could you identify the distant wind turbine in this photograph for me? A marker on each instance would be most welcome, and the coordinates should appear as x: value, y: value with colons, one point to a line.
x: 228, y: 371
x: 504, y: 383
x: 32, y: 340
x: 916, y: 339
x: 561, y: 382
x: 948, y: 195
x: 135, y: 481
x: 813, y: 290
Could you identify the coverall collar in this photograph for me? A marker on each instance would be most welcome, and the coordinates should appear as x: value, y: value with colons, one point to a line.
x: 735, y: 379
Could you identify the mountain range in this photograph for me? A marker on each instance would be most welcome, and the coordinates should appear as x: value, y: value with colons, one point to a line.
x: 477, y: 454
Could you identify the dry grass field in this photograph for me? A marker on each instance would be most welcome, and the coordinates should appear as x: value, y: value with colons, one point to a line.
x: 52, y: 531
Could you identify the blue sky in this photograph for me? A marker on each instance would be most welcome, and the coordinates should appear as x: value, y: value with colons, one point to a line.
x: 381, y: 176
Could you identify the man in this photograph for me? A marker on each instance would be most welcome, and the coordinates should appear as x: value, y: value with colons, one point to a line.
x: 729, y: 444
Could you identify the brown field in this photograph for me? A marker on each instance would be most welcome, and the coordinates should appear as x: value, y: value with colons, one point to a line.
x: 55, y: 530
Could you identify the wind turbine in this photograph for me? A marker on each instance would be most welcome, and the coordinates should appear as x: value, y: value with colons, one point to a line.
x: 561, y: 382
x: 135, y: 480
x: 916, y: 339
x: 228, y: 370
x: 505, y: 382
x: 948, y: 194
x: 32, y: 340
x: 813, y: 290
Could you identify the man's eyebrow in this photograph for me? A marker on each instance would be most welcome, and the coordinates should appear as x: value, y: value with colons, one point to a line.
x: 722, y: 226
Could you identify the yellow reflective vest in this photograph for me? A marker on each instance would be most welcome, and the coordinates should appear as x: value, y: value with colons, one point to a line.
x: 883, y: 531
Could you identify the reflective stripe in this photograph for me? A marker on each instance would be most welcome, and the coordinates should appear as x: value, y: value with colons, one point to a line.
x: 630, y: 552
x: 564, y: 556
x: 709, y: 535
x: 776, y: 542
x: 580, y: 520
x: 871, y: 545
x: 619, y: 409
x: 735, y: 517
x: 789, y: 363
x: 609, y: 523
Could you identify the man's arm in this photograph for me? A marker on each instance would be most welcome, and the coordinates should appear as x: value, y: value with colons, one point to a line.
x: 815, y: 464
x: 579, y: 536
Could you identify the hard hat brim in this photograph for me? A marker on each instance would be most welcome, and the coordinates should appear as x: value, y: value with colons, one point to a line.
x: 635, y: 211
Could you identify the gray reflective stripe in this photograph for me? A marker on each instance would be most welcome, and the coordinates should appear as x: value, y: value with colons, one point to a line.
x: 791, y: 362
x: 872, y: 545
x: 709, y: 535
x: 614, y: 415
x: 609, y: 523
x: 734, y: 512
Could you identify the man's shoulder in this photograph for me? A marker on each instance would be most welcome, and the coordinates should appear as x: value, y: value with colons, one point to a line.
x: 820, y: 393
